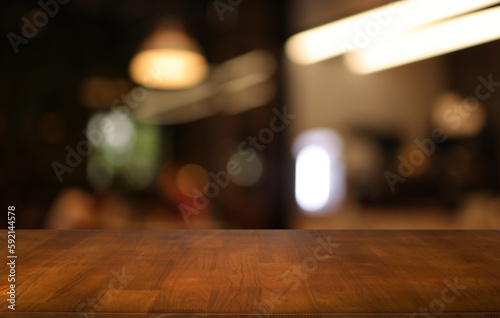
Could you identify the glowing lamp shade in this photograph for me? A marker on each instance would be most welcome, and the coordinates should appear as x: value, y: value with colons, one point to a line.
x: 168, y: 59
x: 168, y: 68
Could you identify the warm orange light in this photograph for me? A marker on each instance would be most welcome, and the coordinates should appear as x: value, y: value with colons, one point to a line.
x: 458, y: 116
x: 191, y: 180
x: 168, y: 68
x: 168, y: 59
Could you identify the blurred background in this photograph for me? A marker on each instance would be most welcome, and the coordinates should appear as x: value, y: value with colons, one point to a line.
x: 216, y: 114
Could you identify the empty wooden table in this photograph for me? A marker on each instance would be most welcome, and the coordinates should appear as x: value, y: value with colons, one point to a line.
x: 229, y: 273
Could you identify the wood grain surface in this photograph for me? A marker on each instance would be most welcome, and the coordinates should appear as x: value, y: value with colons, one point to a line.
x: 166, y: 273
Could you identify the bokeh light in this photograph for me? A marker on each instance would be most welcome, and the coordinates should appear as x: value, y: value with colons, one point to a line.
x: 100, y: 172
x: 312, y: 178
x: 122, y: 148
x: 458, y: 116
x: 121, y: 135
x: 320, y: 176
x: 95, y: 130
x: 168, y: 68
x: 191, y: 180
x: 250, y: 169
x: 142, y: 166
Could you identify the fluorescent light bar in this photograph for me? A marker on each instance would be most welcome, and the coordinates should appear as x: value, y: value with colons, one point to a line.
x: 440, y: 38
x: 367, y: 28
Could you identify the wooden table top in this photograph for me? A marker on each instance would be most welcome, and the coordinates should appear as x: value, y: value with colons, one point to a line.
x: 228, y: 273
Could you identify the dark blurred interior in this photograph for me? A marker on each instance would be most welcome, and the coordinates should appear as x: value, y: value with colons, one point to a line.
x: 83, y: 144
